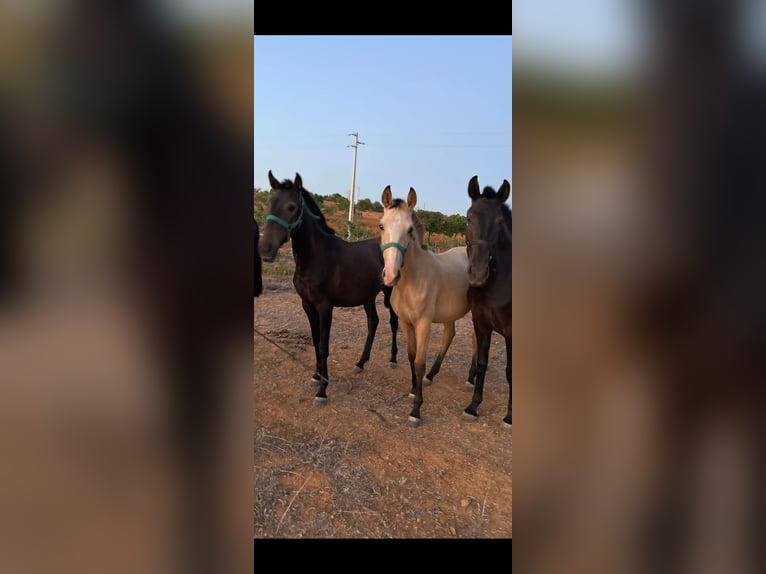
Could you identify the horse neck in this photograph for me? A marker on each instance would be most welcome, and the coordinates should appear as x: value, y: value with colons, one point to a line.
x: 503, y: 254
x: 416, y: 262
x: 307, y: 240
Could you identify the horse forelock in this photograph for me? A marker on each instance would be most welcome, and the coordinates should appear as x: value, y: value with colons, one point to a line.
x: 397, y: 203
x: 490, y: 193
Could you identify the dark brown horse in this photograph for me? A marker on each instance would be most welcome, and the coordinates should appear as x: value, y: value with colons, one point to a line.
x: 329, y: 272
x: 257, y: 276
x: 488, y: 238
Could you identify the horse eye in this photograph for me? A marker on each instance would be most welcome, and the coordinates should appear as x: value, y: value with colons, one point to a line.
x: 410, y: 231
x: 467, y: 242
x: 291, y: 208
x: 380, y: 226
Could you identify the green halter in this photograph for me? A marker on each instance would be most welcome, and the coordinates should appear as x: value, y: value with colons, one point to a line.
x: 398, y: 246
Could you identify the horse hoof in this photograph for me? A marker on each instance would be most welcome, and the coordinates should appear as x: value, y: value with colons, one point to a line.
x: 469, y: 416
x: 413, y: 421
x: 315, y: 381
x: 392, y: 365
x: 320, y: 400
x: 427, y: 381
x: 469, y: 384
x: 507, y: 424
x: 358, y: 369
x: 411, y: 395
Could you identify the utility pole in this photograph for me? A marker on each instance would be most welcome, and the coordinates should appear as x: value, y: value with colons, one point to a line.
x: 356, y: 144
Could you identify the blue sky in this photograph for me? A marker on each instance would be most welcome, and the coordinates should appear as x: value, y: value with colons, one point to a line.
x: 433, y: 111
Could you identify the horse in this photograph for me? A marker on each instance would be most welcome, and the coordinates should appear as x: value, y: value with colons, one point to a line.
x: 329, y: 271
x: 258, y: 274
x: 428, y: 288
x: 489, y: 245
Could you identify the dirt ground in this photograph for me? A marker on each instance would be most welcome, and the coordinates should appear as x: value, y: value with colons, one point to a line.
x: 353, y: 467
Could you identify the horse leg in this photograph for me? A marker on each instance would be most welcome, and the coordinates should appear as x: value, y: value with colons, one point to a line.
x: 423, y: 332
x: 313, y: 317
x: 325, y: 322
x: 409, y: 337
x: 394, y: 322
x: 372, y: 327
x: 471, y: 381
x: 447, y: 335
x: 483, y: 338
x: 507, y: 419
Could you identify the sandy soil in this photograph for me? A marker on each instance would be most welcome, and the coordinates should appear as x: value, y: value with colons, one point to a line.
x: 354, y: 468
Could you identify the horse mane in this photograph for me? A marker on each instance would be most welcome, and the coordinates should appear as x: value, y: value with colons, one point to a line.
x: 420, y: 230
x: 490, y: 193
x: 314, y: 209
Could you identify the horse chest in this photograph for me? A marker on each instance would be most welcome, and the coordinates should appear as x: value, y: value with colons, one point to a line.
x: 408, y: 304
x: 492, y: 309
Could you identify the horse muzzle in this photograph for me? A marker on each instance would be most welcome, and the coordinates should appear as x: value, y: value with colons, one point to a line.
x: 478, y: 278
x: 268, y: 252
x: 392, y: 282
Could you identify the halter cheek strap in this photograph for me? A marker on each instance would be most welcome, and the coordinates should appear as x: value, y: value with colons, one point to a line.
x: 398, y: 246
x: 289, y: 226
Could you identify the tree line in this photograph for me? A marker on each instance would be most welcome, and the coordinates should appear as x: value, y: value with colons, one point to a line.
x: 434, y: 221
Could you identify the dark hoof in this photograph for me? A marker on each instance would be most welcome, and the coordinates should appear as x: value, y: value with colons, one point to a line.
x: 413, y: 421
x: 507, y: 422
x: 468, y: 416
x: 393, y: 364
x: 320, y: 400
x: 358, y: 369
x: 427, y: 381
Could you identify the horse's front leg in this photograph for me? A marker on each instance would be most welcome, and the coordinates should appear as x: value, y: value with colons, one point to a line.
x: 325, y: 322
x: 409, y: 337
x: 313, y: 317
x: 472, y: 371
x: 483, y: 338
x: 393, y: 321
x: 422, y: 334
x: 372, y: 327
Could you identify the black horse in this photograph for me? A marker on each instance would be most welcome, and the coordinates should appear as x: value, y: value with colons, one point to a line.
x: 258, y: 275
x: 488, y: 238
x: 329, y: 272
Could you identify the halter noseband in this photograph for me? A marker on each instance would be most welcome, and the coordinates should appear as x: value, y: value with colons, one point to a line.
x: 398, y: 246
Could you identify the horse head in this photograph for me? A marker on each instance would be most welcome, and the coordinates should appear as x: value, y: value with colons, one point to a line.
x: 397, y: 232
x: 486, y: 227
x: 285, y: 215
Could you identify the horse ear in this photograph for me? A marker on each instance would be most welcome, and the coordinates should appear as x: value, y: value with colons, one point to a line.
x: 298, y: 182
x: 504, y: 191
x: 386, y: 197
x: 412, y: 199
x: 273, y: 181
x: 473, y: 187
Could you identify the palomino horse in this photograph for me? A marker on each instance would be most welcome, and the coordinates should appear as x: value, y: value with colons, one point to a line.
x: 329, y: 272
x: 430, y: 288
x: 488, y: 238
